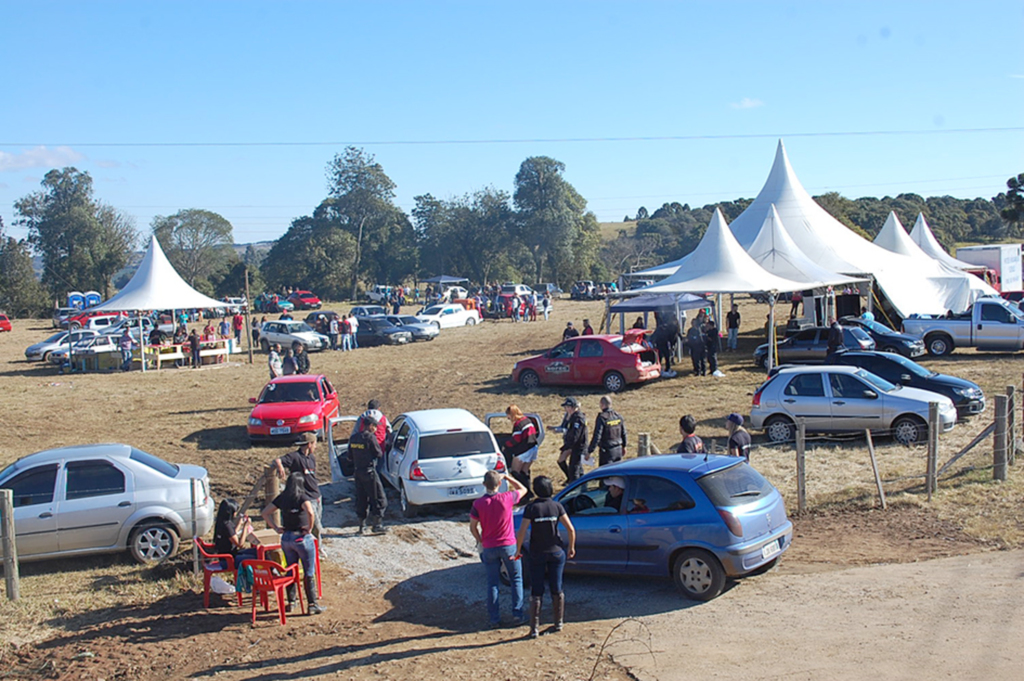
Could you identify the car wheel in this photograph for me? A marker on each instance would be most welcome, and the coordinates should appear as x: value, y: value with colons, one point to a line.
x: 939, y: 345
x: 780, y: 429
x: 613, y: 382
x: 265, y: 345
x: 46, y: 357
x: 408, y: 510
x: 529, y: 380
x: 698, y: 574
x: 75, y: 325
x: 153, y: 542
x: 471, y: 322
x: 891, y: 348
x: 909, y: 430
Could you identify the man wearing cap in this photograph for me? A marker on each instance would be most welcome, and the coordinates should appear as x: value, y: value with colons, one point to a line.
x: 739, y: 438
x: 303, y: 461
x: 366, y: 452
x: 569, y: 332
x: 609, y: 434
x: 574, y: 440
x: 615, y: 486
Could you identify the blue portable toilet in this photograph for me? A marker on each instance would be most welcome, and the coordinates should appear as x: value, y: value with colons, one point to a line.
x: 93, y: 298
x: 76, y: 300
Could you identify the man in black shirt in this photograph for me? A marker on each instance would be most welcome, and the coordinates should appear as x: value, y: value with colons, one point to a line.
x: 732, y: 323
x: 366, y: 451
x: 835, y: 340
x: 301, y: 358
x: 569, y: 332
x: 609, y: 434
x: 302, y: 460
x: 739, y: 438
x: 574, y: 440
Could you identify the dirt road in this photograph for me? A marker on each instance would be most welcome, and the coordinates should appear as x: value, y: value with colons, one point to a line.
x: 956, y: 618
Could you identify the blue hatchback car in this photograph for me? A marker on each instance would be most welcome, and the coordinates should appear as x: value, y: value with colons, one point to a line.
x: 699, y: 519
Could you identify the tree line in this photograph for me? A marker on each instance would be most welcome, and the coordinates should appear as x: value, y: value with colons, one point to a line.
x: 357, y: 236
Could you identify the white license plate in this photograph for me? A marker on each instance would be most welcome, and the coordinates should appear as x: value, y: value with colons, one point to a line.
x: 461, y: 491
x: 283, y: 430
x: 770, y: 549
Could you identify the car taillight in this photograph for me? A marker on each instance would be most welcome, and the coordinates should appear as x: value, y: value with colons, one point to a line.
x: 500, y: 464
x: 415, y: 472
x: 732, y: 522
x: 757, y: 399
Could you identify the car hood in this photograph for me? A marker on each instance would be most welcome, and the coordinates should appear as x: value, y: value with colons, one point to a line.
x: 284, y: 410
x: 898, y: 337
x: 305, y: 335
x: 947, y: 381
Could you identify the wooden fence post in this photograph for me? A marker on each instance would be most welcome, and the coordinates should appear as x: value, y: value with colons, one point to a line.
x: 874, y: 467
x: 999, y: 440
x: 11, y: 576
x: 801, y: 482
x: 1012, y: 425
x: 643, y: 444
x: 931, y: 479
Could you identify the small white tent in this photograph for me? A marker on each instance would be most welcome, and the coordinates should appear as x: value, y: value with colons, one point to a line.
x: 156, y: 285
x: 923, y: 236
x: 774, y: 250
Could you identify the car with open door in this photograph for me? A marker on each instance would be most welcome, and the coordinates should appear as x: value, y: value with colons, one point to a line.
x: 609, y: 361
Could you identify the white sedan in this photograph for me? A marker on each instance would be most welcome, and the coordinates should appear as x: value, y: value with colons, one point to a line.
x: 448, y: 316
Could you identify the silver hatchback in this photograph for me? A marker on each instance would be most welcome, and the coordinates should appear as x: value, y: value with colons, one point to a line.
x: 844, y: 399
x: 105, y: 499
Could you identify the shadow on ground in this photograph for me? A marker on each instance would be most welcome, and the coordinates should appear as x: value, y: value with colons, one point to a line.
x: 223, y: 438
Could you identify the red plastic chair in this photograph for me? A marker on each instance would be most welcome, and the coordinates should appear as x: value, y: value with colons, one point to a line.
x: 261, y: 552
x: 267, y: 577
x: 212, y: 566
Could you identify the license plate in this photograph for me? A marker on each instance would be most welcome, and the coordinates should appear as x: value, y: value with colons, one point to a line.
x: 283, y: 430
x: 461, y: 491
x: 770, y: 549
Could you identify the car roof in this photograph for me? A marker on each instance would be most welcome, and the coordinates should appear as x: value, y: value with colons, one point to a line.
x: 111, y: 450
x: 694, y: 464
x: 815, y: 369
x: 432, y: 420
x: 296, y: 378
x: 609, y: 337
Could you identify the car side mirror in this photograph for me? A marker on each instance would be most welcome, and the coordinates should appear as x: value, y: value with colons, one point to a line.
x: 870, y: 395
x: 252, y: 400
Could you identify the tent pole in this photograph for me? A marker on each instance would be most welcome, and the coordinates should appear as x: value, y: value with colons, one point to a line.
x: 679, y: 325
x: 871, y: 298
x: 142, y: 343
x: 608, y: 314
x: 771, y: 331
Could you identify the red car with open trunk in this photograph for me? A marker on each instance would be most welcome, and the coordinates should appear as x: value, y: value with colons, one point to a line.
x: 610, y: 361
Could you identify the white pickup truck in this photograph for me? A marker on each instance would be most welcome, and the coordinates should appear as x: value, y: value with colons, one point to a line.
x: 991, y: 324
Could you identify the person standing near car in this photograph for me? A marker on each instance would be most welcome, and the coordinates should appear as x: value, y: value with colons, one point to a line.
x: 125, y: 344
x: 548, y: 553
x: 303, y: 460
x: 739, y: 438
x: 695, y: 343
x: 570, y: 332
x: 366, y: 451
x: 274, y: 362
x: 301, y: 358
x: 732, y: 324
x: 353, y: 323
x: 195, y: 344
x: 574, y: 440
x: 609, y: 437
x: 333, y: 329
x: 346, y: 333
x: 520, y: 450
x: 588, y: 330
x: 712, y: 344
x: 835, y: 339
x: 238, y: 324
x: 490, y: 521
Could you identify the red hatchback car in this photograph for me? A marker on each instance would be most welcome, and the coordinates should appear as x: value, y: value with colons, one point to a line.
x: 5, y: 323
x: 609, y: 361
x: 305, y: 300
x: 290, y: 405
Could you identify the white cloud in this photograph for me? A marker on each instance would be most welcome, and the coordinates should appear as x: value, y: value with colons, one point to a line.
x: 1017, y: 75
x: 39, y: 157
x: 747, y: 103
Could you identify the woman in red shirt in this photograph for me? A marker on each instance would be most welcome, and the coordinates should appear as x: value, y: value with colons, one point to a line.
x: 520, y: 449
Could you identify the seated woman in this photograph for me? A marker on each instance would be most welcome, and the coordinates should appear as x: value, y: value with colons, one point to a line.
x: 229, y: 536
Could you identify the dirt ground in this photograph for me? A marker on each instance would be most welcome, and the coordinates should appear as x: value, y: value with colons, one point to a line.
x: 106, y: 618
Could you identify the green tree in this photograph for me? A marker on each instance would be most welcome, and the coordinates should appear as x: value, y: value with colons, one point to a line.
x: 20, y: 291
x: 313, y: 254
x: 197, y: 242
x: 1013, y: 209
x: 552, y: 219
x: 360, y: 203
x: 233, y: 281
x: 83, y: 243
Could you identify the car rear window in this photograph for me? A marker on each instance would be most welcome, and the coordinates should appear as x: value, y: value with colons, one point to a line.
x: 156, y: 463
x: 455, y: 444
x: 735, y: 486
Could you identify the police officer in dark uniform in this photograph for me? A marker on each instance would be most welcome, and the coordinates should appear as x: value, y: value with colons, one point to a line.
x: 574, y: 440
x: 609, y: 434
x: 366, y: 451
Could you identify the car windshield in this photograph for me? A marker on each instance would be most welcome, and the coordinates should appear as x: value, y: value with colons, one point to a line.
x: 735, y: 486
x: 289, y: 392
x: 409, y: 319
x: 56, y: 337
x: 445, y: 445
x: 876, y: 326
x: 913, y: 367
x: 878, y: 382
x: 433, y: 310
x: 154, y: 462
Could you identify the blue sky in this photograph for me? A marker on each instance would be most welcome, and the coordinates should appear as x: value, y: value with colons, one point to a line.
x: 237, y: 107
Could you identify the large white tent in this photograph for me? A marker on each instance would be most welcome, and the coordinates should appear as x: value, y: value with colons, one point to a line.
x: 720, y: 265
x: 922, y: 236
x: 774, y: 250
x: 156, y: 285
x: 909, y: 286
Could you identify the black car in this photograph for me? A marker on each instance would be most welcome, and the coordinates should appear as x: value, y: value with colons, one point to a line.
x: 810, y: 345
x: 378, y: 330
x: 886, y: 339
x: 966, y: 395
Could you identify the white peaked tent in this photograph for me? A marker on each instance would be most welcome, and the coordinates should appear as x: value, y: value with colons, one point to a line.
x: 156, y: 285
x: 775, y: 251
x: 720, y: 265
x: 663, y: 270
x: 924, y: 237
x: 909, y: 286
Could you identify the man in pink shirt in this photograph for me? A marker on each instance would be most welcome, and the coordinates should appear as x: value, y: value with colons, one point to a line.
x: 490, y: 521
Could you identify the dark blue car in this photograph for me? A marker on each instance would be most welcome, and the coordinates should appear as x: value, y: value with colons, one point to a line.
x: 698, y: 519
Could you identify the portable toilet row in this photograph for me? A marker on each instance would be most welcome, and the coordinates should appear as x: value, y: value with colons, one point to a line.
x: 81, y: 301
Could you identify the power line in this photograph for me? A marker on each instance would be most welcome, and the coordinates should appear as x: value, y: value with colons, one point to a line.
x: 534, y: 140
